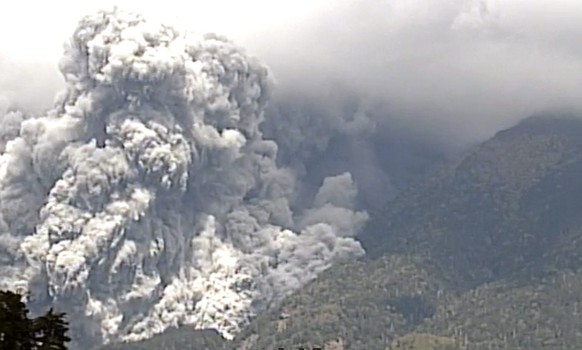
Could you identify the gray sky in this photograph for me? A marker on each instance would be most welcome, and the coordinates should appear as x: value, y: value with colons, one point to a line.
x: 470, y: 67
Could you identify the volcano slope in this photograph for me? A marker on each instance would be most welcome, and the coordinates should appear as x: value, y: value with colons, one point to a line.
x: 484, y: 254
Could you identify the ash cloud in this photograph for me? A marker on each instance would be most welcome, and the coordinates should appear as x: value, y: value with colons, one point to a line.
x: 456, y: 71
x: 392, y: 88
x: 148, y: 196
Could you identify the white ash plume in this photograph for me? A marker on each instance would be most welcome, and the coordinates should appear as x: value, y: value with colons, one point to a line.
x: 148, y: 198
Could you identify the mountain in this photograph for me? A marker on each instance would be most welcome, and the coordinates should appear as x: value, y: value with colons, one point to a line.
x: 486, y: 253
x: 509, y: 203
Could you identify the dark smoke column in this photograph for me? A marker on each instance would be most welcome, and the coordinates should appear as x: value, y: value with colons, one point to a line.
x: 147, y: 197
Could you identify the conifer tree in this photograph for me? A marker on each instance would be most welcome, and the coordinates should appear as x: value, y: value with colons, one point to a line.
x: 19, y: 332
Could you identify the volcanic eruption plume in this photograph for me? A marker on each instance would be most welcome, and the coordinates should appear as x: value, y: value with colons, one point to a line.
x: 148, y: 198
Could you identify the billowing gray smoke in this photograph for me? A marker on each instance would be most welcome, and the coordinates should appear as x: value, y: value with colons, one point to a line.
x: 148, y: 196
x: 340, y: 131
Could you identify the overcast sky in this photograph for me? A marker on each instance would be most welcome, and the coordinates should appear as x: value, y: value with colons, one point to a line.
x: 471, y: 66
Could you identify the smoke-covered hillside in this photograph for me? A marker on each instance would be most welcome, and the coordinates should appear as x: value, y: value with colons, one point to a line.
x: 484, y: 254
